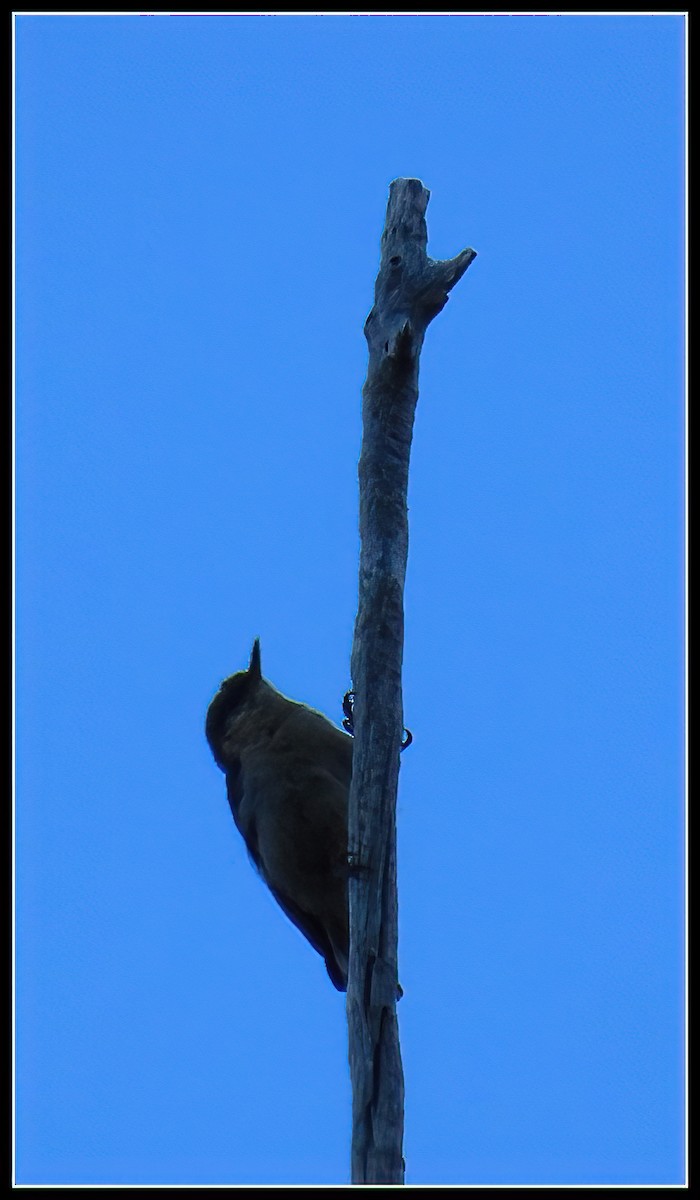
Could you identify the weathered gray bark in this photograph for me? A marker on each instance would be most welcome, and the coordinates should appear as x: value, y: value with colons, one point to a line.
x: 410, y: 290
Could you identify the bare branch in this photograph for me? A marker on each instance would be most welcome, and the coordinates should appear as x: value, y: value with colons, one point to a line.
x: 409, y: 292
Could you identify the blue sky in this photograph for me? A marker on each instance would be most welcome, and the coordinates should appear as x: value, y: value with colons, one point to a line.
x: 199, y: 203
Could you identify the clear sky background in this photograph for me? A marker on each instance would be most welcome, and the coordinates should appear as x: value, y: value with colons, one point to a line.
x: 199, y: 206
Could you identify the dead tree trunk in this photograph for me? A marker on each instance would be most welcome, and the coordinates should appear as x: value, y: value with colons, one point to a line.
x: 410, y: 290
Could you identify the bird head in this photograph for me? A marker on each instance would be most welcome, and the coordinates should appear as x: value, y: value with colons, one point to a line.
x: 236, y: 695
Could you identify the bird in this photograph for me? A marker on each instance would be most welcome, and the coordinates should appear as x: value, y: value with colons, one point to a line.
x: 288, y: 771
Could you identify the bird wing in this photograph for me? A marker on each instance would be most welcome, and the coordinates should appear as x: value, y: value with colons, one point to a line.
x: 314, y: 933
x: 309, y: 925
